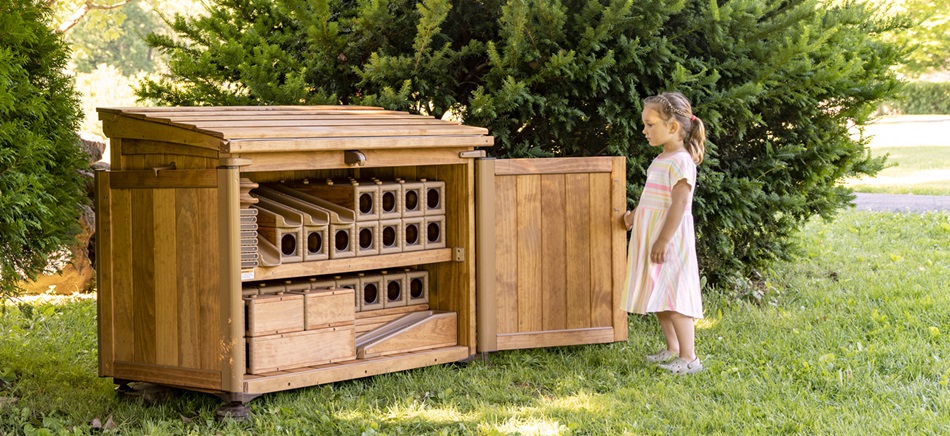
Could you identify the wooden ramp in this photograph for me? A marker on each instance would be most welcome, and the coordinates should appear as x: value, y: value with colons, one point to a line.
x: 414, y: 332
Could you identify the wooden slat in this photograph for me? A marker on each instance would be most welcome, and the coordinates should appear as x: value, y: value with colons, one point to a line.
x: 207, y: 281
x: 169, y: 376
x: 352, y: 370
x: 344, y: 131
x: 601, y: 266
x: 166, y: 277
x: 165, y: 179
x: 556, y: 338
x: 144, y: 146
x: 144, y: 129
x: 579, y: 247
x: 104, y: 302
x: 618, y: 201
x: 124, y: 341
x: 335, y: 266
x: 561, y: 165
x: 528, y: 201
x: 506, y: 262
x: 312, y: 160
x: 143, y: 276
x: 355, y: 143
x: 347, y: 122
x: 485, y: 250
x: 231, y: 322
x: 555, y: 257
x: 188, y: 228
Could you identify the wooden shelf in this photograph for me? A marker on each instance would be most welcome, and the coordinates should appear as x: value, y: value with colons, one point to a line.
x: 316, y: 375
x: 350, y: 264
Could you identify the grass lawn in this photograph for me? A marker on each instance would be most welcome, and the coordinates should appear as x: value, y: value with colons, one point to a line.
x: 854, y: 338
x: 918, y: 150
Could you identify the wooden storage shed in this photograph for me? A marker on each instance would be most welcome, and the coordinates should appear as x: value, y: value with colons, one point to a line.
x: 247, y: 250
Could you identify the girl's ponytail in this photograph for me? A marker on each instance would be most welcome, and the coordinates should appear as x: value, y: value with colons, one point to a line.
x: 695, y: 140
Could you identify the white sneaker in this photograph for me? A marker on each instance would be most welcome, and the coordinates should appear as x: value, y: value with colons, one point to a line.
x: 663, y: 356
x: 679, y: 366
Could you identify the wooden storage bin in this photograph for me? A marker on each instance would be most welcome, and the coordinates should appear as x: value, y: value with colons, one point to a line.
x: 328, y: 308
x: 300, y: 349
x: 169, y: 258
x: 274, y: 314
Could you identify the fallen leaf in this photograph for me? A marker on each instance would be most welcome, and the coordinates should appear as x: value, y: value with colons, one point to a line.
x: 185, y: 419
x: 110, y: 424
x: 96, y: 424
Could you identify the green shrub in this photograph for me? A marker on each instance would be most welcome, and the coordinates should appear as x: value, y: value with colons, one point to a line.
x: 40, y: 183
x: 922, y: 98
x: 566, y: 78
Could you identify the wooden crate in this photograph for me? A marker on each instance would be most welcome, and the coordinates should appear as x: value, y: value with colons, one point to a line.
x: 328, y: 308
x: 274, y: 314
x: 297, y: 350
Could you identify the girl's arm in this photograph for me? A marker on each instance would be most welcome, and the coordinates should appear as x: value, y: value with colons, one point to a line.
x: 674, y: 216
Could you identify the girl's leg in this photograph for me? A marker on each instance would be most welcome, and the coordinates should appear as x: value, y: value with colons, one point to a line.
x: 666, y: 324
x: 685, y: 335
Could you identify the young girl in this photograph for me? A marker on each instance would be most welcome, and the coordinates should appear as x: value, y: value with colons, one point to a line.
x: 663, y: 274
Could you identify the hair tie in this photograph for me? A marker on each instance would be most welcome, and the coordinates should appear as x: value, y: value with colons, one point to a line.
x: 692, y: 117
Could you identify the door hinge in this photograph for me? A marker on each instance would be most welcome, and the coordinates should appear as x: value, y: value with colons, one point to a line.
x: 458, y: 254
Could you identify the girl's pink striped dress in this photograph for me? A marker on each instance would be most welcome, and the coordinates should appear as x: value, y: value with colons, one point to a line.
x: 674, y: 284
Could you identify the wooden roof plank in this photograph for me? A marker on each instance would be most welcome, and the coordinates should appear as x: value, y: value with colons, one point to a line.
x: 251, y: 146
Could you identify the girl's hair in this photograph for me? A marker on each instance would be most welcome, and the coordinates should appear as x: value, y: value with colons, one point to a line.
x: 672, y: 105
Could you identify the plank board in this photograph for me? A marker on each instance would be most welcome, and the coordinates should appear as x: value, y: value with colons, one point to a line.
x: 558, y: 253
x: 529, y: 252
x: 556, y: 256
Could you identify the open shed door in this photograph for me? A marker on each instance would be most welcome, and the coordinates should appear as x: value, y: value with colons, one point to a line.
x: 551, y: 251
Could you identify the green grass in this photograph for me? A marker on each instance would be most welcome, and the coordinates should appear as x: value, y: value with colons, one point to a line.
x: 923, y: 170
x: 854, y: 338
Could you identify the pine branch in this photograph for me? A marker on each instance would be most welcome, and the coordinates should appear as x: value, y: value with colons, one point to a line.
x: 84, y: 9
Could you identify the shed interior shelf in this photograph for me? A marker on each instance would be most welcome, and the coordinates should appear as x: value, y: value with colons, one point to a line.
x: 337, y: 266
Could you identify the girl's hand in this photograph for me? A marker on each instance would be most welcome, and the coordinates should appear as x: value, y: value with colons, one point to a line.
x: 658, y: 251
x: 628, y: 219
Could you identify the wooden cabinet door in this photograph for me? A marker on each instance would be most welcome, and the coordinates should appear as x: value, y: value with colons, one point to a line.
x: 551, y: 252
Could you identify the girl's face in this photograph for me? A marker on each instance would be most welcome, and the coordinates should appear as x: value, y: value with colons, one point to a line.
x: 657, y: 130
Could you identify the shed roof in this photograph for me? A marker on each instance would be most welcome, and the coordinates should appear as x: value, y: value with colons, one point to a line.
x: 252, y: 129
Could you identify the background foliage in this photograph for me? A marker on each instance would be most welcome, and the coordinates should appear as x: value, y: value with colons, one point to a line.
x: 921, y: 98
x: 40, y: 183
x: 566, y: 78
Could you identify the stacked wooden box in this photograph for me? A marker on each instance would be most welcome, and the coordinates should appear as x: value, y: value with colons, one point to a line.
x: 305, y: 327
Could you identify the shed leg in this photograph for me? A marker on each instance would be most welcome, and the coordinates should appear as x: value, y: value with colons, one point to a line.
x: 235, y: 406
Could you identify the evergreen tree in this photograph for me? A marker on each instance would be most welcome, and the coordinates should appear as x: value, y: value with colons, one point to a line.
x: 772, y: 81
x: 40, y: 183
